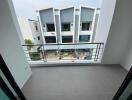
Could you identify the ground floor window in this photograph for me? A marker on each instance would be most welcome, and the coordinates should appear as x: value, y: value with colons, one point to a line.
x: 50, y: 39
x: 84, y: 38
x: 67, y: 39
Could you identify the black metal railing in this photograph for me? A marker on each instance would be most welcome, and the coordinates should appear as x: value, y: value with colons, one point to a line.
x: 57, y: 52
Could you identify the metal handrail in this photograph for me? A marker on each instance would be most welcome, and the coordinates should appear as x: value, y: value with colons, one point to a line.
x: 94, y: 54
x: 61, y: 44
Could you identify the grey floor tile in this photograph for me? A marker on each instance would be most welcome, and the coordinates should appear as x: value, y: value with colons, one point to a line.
x: 74, y: 82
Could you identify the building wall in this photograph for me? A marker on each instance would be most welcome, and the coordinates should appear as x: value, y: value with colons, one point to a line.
x: 67, y: 15
x: 76, y: 30
x: 25, y: 28
x: 116, y: 47
x: 72, y: 16
x: 87, y: 14
x: 47, y: 15
x: 58, y: 28
x: 96, y: 24
x: 10, y: 45
x: 35, y: 33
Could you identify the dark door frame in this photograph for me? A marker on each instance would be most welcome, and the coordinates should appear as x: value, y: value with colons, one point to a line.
x: 124, y: 85
x: 11, y: 79
x: 6, y: 90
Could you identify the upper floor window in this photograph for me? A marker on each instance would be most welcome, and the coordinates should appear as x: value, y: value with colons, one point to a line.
x: 86, y: 26
x: 65, y: 27
x: 38, y: 37
x: 36, y: 28
x: 50, y: 27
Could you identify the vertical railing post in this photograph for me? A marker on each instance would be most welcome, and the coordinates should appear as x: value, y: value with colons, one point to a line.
x: 43, y: 53
x: 96, y: 53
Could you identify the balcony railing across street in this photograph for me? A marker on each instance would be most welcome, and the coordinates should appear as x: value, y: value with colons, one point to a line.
x: 64, y: 52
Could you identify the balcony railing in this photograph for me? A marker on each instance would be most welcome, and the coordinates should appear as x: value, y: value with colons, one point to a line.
x: 64, y: 52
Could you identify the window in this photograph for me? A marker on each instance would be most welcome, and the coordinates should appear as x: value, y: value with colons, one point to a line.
x: 66, y: 39
x: 50, y: 39
x: 36, y: 27
x: 38, y: 37
x: 86, y: 26
x: 50, y: 27
x: 84, y: 38
x: 65, y: 26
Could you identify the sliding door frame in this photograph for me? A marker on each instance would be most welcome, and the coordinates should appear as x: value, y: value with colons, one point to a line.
x: 10, y: 79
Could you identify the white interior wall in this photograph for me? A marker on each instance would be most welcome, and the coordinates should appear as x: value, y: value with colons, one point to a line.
x: 126, y: 60
x: 10, y: 45
x: 116, y: 50
x: 105, y: 19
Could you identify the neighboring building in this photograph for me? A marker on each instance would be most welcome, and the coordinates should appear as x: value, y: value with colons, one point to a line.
x: 67, y: 20
x: 36, y: 31
x: 87, y: 20
x: 30, y: 30
x: 47, y: 20
x: 69, y: 25
x: 25, y: 28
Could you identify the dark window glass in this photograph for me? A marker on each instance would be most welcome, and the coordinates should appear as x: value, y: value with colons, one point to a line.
x: 36, y: 27
x: 50, y: 39
x: 86, y: 26
x: 66, y: 39
x: 84, y: 38
x: 65, y: 26
x: 50, y: 27
x: 38, y: 37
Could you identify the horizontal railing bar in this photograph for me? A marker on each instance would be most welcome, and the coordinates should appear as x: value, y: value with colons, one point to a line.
x: 60, y: 44
x: 43, y: 56
x: 63, y: 49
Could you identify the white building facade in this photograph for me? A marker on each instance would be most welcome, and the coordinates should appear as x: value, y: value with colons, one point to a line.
x: 30, y: 30
x: 69, y: 25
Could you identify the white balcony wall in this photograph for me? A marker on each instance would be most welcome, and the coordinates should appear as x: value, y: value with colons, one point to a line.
x: 106, y: 15
x: 119, y: 44
x: 10, y: 45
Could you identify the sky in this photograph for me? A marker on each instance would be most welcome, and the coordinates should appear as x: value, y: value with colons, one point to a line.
x: 27, y: 8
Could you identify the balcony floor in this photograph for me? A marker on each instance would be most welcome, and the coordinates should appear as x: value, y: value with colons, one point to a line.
x: 93, y: 82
